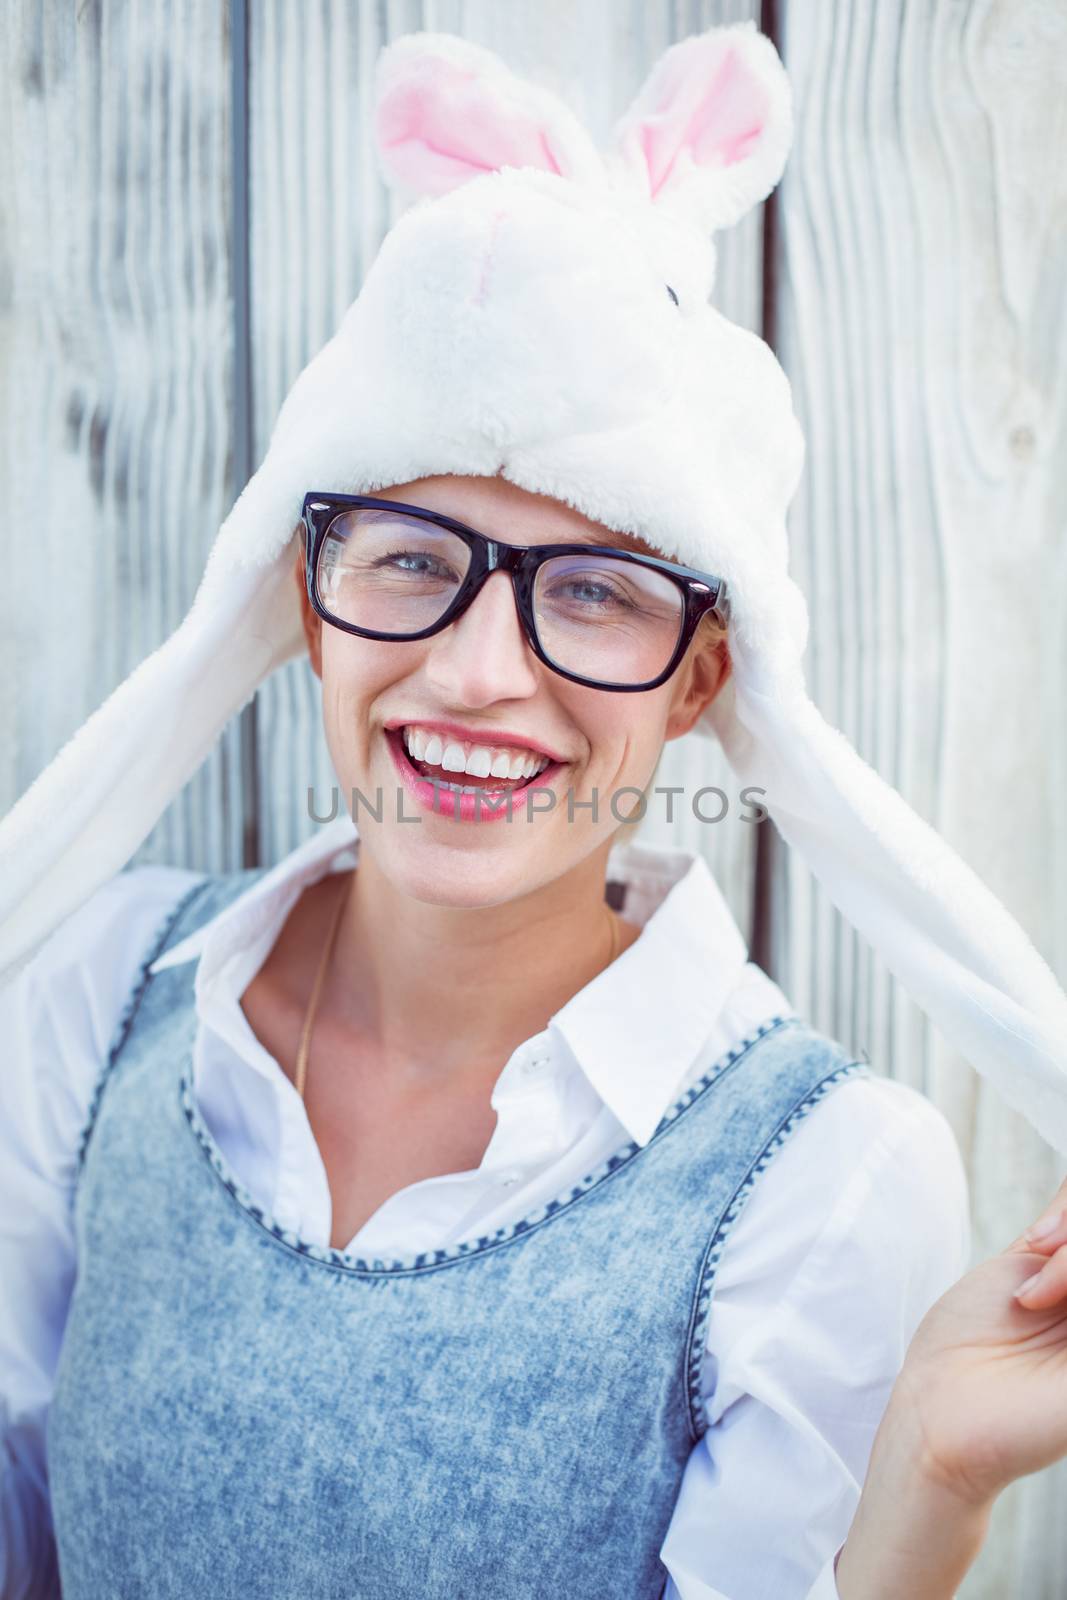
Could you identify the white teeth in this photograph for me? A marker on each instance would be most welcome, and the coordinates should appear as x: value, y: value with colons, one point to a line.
x: 478, y: 760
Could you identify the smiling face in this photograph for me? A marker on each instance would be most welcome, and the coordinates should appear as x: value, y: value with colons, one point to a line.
x: 474, y: 695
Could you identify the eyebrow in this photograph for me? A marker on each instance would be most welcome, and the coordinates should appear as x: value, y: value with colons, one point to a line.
x: 630, y: 542
x: 619, y: 541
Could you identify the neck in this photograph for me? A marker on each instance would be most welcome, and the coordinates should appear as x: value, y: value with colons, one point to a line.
x: 445, y: 990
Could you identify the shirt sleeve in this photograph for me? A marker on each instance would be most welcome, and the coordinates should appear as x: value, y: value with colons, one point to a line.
x: 58, y: 1018
x: 855, y: 1228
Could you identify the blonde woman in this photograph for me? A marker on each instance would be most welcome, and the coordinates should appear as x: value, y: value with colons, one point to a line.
x: 454, y: 1207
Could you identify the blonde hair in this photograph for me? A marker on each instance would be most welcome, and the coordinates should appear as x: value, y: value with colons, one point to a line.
x: 716, y: 637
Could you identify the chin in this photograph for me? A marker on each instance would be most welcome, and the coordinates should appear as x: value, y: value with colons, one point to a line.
x: 467, y: 871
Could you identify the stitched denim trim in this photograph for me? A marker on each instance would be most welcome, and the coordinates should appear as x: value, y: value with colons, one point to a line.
x: 697, y: 1416
x: 431, y: 1260
x: 129, y: 1012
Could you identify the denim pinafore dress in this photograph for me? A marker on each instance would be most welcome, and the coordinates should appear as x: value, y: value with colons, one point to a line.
x: 239, y: 1413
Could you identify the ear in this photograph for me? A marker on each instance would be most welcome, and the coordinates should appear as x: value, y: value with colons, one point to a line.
x: 309, y: 617
x: 708, y: 134
x: 447, y: 110
x: 704, y: 672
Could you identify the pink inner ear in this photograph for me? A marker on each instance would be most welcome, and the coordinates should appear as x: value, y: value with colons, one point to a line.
x: 716, y: 118
x: 444, y: 125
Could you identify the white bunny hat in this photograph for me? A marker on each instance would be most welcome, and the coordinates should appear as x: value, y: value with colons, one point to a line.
x: 517, y: 320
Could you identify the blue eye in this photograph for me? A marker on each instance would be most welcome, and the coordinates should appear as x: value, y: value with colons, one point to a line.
x: 672, y: 294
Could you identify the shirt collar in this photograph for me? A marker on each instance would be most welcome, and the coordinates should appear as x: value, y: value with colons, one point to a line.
x: 239, y: 922
x: 683, y: 967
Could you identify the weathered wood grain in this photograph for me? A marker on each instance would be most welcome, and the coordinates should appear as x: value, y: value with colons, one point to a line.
x: 923, y: 293
x: 115, y: 335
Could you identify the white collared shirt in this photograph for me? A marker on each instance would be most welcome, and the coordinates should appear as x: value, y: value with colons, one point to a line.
x: 823, y: 1280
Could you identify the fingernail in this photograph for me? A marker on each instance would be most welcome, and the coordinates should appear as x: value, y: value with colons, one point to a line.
x: 1024, y: 1288
x: 1045, y: 1226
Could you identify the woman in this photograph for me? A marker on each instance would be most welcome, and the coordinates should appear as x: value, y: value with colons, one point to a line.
x: 334, y: 1325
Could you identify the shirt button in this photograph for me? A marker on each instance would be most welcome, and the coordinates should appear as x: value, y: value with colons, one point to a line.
x: 509, y: 1178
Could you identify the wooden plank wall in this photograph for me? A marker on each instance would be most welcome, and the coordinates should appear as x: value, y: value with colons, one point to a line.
x: 115, y: 345
x: 188, y: 204
x: 921, y: 314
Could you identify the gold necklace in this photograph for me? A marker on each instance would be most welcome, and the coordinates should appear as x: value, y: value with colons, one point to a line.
x: 616, y: 933
x: 300, y: 1076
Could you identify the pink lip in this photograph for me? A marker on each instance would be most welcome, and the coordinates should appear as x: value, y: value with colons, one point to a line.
x: 446, y: 802
x: 476, y: 735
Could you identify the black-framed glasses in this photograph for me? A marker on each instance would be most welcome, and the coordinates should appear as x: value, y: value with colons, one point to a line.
x: 596, y: 614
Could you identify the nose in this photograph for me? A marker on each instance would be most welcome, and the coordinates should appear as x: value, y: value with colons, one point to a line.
x: 484, y: 655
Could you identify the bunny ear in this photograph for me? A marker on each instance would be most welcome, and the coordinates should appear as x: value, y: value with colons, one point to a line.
x: 708, y: 134
x: 447, y: 110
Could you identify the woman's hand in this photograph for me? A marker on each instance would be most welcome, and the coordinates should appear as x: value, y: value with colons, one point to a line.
x: 986, y: 1373
x: 981, y: 1400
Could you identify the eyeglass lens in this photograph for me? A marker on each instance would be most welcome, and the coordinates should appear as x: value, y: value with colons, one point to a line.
x: 608, y: 620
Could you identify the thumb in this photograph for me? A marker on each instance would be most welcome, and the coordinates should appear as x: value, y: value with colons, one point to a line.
x: 1049, y: 1231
